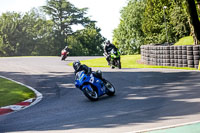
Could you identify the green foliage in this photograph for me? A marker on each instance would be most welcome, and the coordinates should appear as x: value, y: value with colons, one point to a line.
x: 128, y: 37
x: 178, y: 20
x: 147, y: 21
x: 64, y: 15
x: 23, y: 34
x: 32, y: 34
x: 153, y: 23
x: 86, y: 41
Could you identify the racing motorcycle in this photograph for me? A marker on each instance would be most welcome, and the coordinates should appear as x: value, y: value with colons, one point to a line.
x: 93, y: 87
x: 115, y: 59
x: 64, y: 54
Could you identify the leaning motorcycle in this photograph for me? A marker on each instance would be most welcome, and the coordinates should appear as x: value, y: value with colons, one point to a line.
x: 93, y: 87
x: 115, y: 59
x: 64, y: 54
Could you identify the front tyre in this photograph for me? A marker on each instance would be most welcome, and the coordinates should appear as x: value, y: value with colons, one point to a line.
x: 63, y: 57
x: 109, y: 88
x: 119, y: 63
x: 91, y: 95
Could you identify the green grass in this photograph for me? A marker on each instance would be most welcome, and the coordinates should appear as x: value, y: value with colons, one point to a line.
x: 12, y: 93
x: 128, y: 61
x: 188, y: 40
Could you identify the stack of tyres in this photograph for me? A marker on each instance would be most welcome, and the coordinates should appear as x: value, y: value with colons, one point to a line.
x: 161, y: 56
x: 158, y: 56
x: 167, y: 56
x: 180, y: 63
x: 196, y: 54
x: 176, y: 56
x: 172, y: 56
x: 190, y: 57
x: 184, y: 56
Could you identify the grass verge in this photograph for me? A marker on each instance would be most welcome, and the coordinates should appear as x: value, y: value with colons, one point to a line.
x: 127, y: 61
x: 188, y: 40
x: 12, y: 93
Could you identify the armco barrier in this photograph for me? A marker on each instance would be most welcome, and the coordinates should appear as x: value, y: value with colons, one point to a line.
x: 178, y: 56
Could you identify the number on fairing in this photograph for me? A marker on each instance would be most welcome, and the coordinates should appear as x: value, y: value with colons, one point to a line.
x: 92, y: 80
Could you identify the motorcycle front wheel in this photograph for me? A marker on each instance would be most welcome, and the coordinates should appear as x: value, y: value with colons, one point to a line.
x: 119, y: 63
x: 91, y: 95
x: 63, y: 57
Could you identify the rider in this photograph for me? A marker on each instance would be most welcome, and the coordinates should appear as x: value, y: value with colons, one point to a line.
x: 82, y: 67
x: 66, y: 48
x: 107, y: 49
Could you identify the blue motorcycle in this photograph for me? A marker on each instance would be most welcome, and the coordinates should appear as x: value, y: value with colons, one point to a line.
x: 92, y: 86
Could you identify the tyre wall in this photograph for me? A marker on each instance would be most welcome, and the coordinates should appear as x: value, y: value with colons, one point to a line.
x: 178, y: 56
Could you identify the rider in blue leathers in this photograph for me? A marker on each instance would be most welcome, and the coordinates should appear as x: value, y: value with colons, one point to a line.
x: 87, y: 70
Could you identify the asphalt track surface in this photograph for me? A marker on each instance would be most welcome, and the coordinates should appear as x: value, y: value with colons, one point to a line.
x: 145, y: 98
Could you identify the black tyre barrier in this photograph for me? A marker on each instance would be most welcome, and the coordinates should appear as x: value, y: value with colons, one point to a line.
x: 196, y: 57
x: 184, y: 61
x: 190, y: 62
x: 189, y: 52
x: 180, y: 61
x: 179, y: 56
x: 196, y: 53
x: 196, y: 62
x: 184, y: 56
x: 190, y: 57
x: 184, y: 52
x: 191, y: 66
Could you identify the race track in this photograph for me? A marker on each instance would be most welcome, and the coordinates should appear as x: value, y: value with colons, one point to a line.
x: 145, y: 98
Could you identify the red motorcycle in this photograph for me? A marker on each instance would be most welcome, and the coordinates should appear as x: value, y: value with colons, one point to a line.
x: 64, y: 54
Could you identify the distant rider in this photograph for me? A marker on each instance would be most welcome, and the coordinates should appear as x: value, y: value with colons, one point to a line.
x: 66, y: 48
x: 107, y: 50
x: 87, y: 70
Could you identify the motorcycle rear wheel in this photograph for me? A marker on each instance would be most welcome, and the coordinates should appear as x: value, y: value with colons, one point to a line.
x: 110, y: 88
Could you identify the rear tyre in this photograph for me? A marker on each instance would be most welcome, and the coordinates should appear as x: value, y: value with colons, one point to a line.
x: 91, y: 95
x: 110, y: 88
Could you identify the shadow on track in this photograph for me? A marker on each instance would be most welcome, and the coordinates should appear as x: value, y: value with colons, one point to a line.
x: 141, y: 97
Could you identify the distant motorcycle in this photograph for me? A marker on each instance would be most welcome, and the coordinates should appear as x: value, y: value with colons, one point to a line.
x: 64, y: 54
x: 93, y: 87
x: 114, y: 58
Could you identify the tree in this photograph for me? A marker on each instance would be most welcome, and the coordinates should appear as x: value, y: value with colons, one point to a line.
x: 87, y: 41
x: 194, y: 20
x: 27, y: 34
x: 129, y: 35
x: 178, y: 20
x: 64, y: 15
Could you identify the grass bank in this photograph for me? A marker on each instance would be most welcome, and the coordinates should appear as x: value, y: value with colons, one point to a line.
x: 188, y: 40
x: 128, y: 61
x: 12, y: 93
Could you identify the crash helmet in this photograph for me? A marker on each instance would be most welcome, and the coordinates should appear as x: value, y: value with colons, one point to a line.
x: 108, y: 42
x: 76, y: 65
x: 99, y: 73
